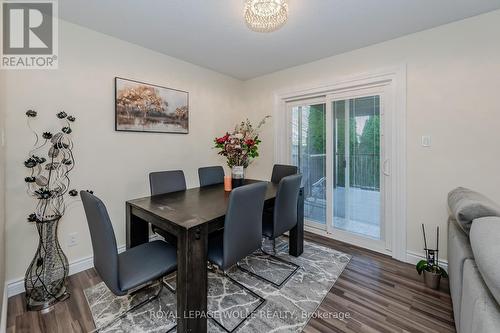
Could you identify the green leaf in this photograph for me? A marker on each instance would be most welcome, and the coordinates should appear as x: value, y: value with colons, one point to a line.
x: 421, y: 266
x: 443, y: 272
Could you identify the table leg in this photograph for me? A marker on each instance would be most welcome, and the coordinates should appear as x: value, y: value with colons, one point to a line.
x: 192, y: 280
x: 137, y: 230
x: 296, y: 240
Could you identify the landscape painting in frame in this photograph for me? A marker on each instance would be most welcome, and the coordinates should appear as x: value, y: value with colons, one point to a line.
x: 143, y: 107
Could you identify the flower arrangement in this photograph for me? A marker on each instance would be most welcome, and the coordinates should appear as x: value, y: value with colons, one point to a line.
x: 241, y: 145
x: 48, y: 179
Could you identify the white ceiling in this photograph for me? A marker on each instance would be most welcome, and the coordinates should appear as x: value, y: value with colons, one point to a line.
x: 212, y: 33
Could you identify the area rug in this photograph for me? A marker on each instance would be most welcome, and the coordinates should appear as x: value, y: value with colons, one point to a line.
x: 286, y: 309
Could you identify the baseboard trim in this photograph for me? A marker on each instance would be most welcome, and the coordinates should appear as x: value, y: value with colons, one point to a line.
x: 413, y: 257
x: 373, y: 246
x: 3, y: 316
x: 16, y: 286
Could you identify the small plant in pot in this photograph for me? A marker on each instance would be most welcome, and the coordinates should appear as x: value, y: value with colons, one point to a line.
x: 432, y: 273
x: 430, y: 266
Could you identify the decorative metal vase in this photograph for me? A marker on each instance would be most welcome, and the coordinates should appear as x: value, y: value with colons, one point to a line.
x: 45, y: 279
x: 432, y: 279
x: 238, y: 174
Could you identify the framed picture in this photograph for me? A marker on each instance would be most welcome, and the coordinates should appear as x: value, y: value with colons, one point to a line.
x: 144, y: 107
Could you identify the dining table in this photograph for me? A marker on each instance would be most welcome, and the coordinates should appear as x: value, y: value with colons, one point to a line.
x: 189, y: 217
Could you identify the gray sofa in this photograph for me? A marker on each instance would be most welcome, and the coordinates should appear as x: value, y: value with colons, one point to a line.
x: 474, y: 261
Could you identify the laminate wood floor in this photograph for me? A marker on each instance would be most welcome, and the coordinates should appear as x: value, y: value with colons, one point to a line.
x: 374, y: 293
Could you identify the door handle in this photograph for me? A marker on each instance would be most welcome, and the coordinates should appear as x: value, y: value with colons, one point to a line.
x: 386, y: 168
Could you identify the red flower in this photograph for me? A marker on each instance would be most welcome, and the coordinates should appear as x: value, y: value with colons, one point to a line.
x: 223, y: 139
x: 249, y: 142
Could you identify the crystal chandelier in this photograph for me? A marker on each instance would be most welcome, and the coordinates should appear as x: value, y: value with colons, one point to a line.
x: 266, y: 15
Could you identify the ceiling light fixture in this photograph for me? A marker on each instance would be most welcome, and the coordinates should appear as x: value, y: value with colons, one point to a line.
x: 265, y: 15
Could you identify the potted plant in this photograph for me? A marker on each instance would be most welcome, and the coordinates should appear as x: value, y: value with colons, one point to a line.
x: 240, y: 147
x: 430, y: 265
x: 432, y: 273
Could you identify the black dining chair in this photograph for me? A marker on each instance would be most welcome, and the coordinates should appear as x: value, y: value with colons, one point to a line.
x: 282, y: 170
x: 124, y: 273
x: 281, y: 219
x: 162, y: 182
x: 211, y: 175
x: 242, y: 233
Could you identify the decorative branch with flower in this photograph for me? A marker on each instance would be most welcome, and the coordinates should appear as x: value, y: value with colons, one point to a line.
x: 48, y: 178
x: 242, y: 144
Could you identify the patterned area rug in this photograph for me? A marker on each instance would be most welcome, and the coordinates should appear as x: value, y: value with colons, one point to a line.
x: 286, y: 309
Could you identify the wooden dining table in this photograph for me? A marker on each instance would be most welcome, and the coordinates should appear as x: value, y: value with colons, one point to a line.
x: 189, y: 216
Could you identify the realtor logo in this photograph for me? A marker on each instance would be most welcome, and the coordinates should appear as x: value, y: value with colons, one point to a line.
x: 29, y: 35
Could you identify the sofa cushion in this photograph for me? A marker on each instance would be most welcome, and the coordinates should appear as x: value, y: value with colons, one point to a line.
x: 479, y: 311
x: 467, y: 205
x: 485, y: 243
x: 459, y: 250
x: 486, y: 316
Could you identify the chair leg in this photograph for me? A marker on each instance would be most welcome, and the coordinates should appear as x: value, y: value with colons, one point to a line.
x: 260, y: 298
x: 273, y: 242
x: 135, y: 307
x: 167, y: 285
x: 295, y: 269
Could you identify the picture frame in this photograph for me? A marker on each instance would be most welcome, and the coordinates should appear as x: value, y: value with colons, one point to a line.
x: 150, y: 108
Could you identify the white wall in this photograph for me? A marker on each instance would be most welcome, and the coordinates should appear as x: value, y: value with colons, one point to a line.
x: 113, y: 164
x: 453, y: 80
x: 2, y: 198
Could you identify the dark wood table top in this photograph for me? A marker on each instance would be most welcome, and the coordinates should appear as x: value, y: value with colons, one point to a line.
x: 195, y: 206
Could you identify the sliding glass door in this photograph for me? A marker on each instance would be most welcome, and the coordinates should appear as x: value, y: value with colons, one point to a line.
x: 308, y: 152
x: 356, y: 166
x: 337, y: 142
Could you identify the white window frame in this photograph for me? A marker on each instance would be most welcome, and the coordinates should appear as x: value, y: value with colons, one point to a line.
x: 393, y: 82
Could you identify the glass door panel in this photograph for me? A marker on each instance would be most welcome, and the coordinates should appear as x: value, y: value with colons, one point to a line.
x: 308, y: 152
x: 356, y: 166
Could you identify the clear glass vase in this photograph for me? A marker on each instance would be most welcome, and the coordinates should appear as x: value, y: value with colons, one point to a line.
x: 238, y: 175
x: 238, y: 172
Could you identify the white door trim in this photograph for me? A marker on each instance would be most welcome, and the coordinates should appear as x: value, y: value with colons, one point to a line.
x: 395, y: 80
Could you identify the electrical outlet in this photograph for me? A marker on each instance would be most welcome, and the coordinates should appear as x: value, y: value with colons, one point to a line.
x: 426, y: 141
x: 72, y: 239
